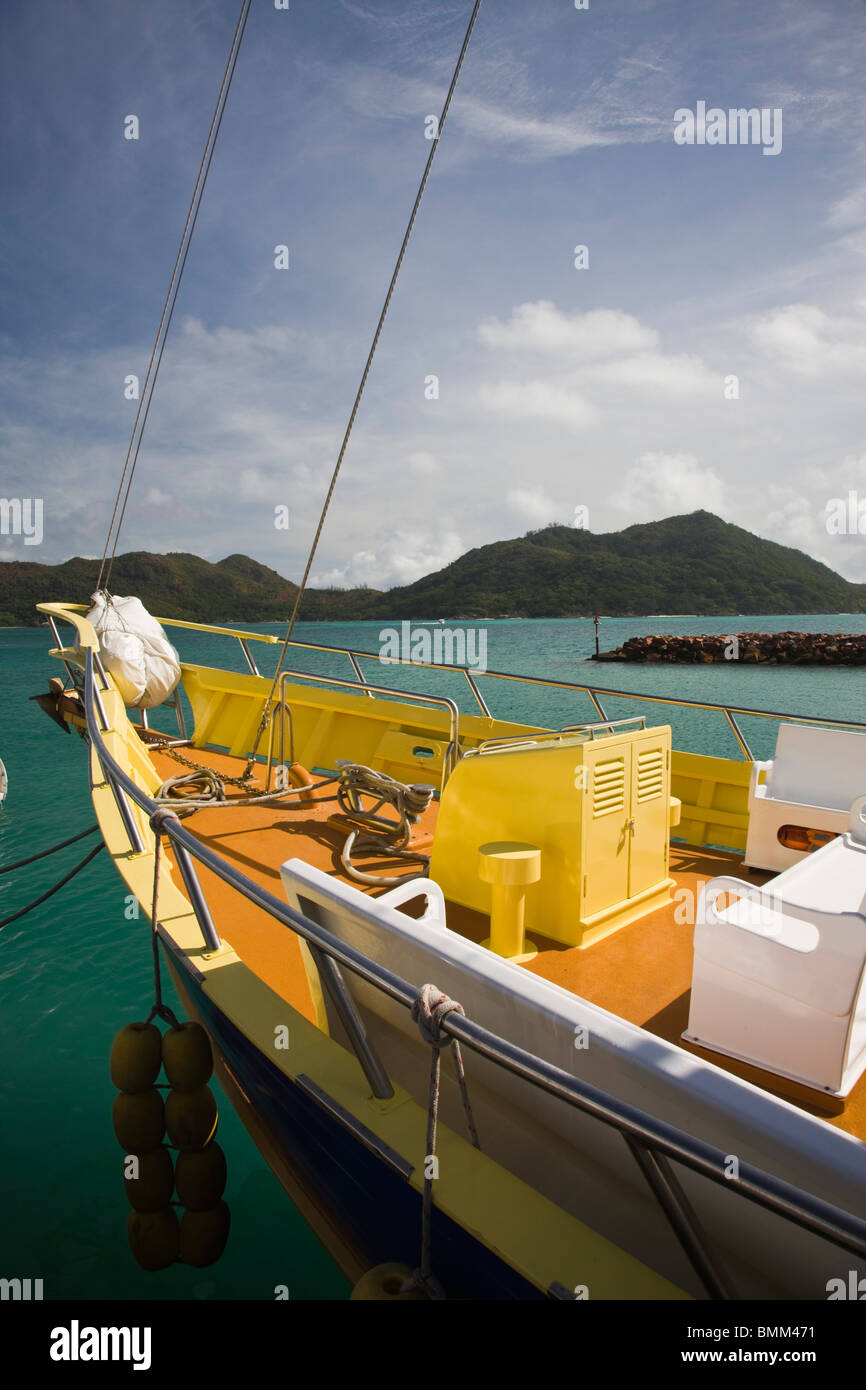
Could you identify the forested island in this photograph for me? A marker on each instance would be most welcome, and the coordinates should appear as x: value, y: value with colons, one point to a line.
x: 685, y: 564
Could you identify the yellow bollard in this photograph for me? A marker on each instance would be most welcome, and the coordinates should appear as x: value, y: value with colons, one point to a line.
x: 509, y: 866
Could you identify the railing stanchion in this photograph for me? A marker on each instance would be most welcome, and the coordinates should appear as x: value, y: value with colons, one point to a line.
x: 358, y: 672
x: 351, y: 1020
x: 101, y: 670
x: 477, y: 693
x: 679, y: 1212
x: 738, y: 735
x: 599, y: 707
x: 249, y: 656
x: 178, y: 709
x: 196, y: 897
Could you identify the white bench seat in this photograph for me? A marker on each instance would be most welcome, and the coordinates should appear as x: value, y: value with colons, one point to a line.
x: 778, y: 975
x: 811, y: 781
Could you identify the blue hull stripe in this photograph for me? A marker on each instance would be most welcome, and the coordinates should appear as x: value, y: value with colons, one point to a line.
x: 376, y: 1208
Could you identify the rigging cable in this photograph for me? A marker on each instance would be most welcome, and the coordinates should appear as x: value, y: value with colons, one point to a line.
x: 363, y: 383
x: 171, y: 297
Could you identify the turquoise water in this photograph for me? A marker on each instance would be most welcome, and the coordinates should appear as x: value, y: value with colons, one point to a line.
x: 75, y: 970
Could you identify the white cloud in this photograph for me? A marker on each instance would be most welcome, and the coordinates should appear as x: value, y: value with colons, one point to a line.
x: 534, y: 507
x: 808, y: 341
x: 538, y: 400
x: 796, y: 522
x: 422, y: 463
x: 659, y: 485
x: 850, y: 210
x: 403, y: 558
x: 540, y: 327
x: 651, y: 371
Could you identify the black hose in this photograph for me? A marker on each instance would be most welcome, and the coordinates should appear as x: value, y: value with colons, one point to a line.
x: 30, y: 906
x: 8, y: 868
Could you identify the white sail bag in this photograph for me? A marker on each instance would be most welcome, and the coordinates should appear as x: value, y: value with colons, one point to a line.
x: 134, y: 649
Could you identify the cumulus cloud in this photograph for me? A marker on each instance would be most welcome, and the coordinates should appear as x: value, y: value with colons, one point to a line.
x: 659, y: 485
x: 806, y: 340
x: 403, y: 558
x: 538, y: 400
x: 534, y: 507
x: 586, y: 357
x: 660, y: 375
x: 540, y: 327
x: 423, y: 464
x: 800, y: 511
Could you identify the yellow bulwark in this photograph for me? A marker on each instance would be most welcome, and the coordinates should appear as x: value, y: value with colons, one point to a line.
x: 715, y: 799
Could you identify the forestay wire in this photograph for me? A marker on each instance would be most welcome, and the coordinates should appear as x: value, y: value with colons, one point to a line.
x: 144, y: 403
x: 366, y: 372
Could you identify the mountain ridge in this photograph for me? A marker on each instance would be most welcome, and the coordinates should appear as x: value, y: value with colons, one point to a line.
x: 695, y: 563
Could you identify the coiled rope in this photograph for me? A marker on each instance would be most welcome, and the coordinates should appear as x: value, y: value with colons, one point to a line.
x: 382, y: 836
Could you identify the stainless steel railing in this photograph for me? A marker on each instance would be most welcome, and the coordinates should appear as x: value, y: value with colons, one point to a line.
x: 594, y: 692
x: 653, y: 1142
x: 355, y: 656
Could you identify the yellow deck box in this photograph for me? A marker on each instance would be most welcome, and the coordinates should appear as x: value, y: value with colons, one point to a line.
x: 597, y: 804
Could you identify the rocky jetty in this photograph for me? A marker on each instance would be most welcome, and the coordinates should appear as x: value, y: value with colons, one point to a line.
x: 785, y: 648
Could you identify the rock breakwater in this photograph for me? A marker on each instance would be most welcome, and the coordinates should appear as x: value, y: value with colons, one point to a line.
x: 787, y: 648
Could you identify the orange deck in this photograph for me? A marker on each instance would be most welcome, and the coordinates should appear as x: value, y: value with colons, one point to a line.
x: 641, y: 973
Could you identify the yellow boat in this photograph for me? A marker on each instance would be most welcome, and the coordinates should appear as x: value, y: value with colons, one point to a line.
x: 643, y: 967
x: 549, y: 881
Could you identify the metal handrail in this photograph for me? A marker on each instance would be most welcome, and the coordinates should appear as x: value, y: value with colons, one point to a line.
x: 592, y: 691
x: 494, y: 745
x: 645, y: 1134
x: 452, y: 752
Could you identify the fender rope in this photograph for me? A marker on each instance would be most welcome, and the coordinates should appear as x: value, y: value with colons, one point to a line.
x: 429, y: 1010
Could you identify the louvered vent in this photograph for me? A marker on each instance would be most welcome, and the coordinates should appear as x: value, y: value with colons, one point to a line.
x: 608, y: 787
x: 650, y: 774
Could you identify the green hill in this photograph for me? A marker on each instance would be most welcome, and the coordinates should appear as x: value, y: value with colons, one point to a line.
x: 685, y: 564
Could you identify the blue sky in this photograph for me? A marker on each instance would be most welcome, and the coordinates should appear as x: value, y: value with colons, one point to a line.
x: 559, y: 388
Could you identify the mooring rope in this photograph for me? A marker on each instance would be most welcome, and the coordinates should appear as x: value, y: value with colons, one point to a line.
x: 51, y: 891
x: 430, y: 1009
x: 43, y: 853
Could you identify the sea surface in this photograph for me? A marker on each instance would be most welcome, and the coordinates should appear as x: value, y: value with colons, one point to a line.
x: 75, y: 970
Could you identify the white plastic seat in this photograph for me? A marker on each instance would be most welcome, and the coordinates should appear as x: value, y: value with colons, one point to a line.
x: 811, y: 781
x: 778, y: 976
